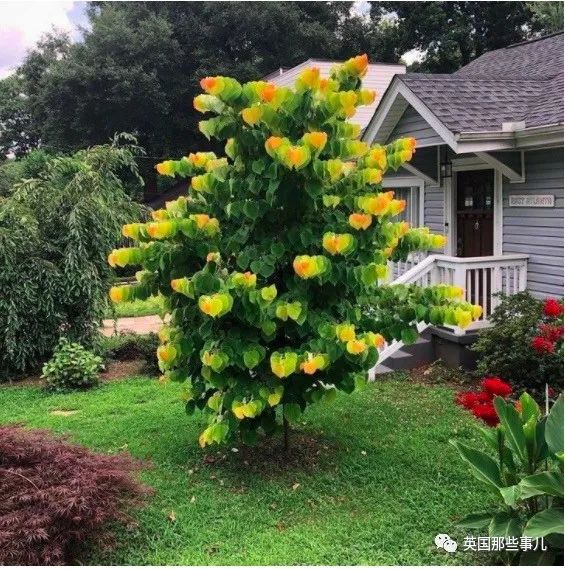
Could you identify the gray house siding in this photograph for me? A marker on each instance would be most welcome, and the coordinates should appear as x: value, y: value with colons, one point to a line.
x: 412, y: 124
x: 434, y: 207
x: 538, y: 232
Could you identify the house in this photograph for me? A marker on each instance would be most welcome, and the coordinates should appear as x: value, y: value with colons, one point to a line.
x: 488, y: 172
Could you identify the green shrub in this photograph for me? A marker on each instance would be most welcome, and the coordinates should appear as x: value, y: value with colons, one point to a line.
x: 71, y: 367
x: 506, y: 348
x: 125, y: 347
x: 11, y: 172
x: 55, y: 230
x: 526, y: 475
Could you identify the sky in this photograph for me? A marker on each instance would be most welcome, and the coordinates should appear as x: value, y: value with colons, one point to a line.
x: 23, y: 22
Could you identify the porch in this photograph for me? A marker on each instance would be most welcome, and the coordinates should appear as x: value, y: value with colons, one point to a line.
x: 482, y: 278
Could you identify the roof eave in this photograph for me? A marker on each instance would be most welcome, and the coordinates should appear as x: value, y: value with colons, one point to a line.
x: 538, y: 136
x: 398, y: 88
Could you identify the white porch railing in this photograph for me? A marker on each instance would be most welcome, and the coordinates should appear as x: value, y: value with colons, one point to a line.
x: 480, y: 277
x: 398, y: 268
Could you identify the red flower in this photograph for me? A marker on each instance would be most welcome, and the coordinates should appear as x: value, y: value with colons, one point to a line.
x: 542, y: 345
x: 552, y: 308
x: 551, y: 332
x: 495, y: 386
x: 487, y: 413
x: 467, y: 399
x: 484, y: 397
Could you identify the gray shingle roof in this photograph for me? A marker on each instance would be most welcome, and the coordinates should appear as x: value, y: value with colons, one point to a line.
x: 523, y: 82
x: 535, y: 59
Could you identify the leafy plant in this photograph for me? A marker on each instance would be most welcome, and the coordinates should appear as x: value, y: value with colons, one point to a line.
x: 55, y: 230
x: 14, y: 171
x: 55, y: 496
x: 507, y: 349
x: 526, y: 475
x: 71, y: 367
x: 126, y: 347
x: 273, y: 266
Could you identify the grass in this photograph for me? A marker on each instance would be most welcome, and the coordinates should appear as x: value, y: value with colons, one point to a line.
x: 152, y: 305
x: 372, y: 482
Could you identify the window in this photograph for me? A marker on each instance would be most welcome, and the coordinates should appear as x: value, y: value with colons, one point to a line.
x: 412, y: 212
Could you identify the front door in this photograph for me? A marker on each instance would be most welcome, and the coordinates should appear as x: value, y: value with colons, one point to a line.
x: 475, y: 206
x: 475, y: 225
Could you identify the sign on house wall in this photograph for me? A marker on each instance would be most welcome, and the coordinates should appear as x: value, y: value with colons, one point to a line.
x: 547, y: 200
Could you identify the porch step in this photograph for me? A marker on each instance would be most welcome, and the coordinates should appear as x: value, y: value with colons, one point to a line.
x: 412, y: 356
x: 379, y: 369
x: 407, y: 357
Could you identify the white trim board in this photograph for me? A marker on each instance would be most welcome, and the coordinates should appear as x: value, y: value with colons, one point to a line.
x: 513, y: 176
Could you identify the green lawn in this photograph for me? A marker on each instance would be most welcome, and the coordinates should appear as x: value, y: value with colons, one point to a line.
x: 152, y: 305
x: 384, y: 483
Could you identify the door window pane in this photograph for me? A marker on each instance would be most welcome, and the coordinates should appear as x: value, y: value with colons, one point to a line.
x: 475, y: 190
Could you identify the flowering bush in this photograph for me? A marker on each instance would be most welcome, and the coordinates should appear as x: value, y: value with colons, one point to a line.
x: 525, y: 344
x: 549, y: 338
x: 481, y: 403
x: 273, y: 265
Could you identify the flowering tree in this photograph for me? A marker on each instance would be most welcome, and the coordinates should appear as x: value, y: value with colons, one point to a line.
x: 273, y: 265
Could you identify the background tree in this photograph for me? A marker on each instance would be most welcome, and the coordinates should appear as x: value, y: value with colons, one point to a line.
x: 137, y: 66
x: 548, y: 15
x: 138, y: 63
x: 451, y: 34
x: 55, y: 230
x: 16, y: 136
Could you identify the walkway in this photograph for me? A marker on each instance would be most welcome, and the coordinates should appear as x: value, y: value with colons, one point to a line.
x: 136, y: 324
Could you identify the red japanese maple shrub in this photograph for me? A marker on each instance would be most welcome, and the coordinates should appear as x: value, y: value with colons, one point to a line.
x: 54, y: 496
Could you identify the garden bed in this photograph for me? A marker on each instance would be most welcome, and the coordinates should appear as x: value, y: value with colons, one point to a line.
x: 371, y: 478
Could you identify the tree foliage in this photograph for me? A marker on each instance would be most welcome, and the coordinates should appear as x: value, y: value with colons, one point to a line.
x: 138, y: 63
x: 451, y: 34
x: 16, y: 136
x: 55, y: 230
x: 549, y: 15
x: 273, y: 266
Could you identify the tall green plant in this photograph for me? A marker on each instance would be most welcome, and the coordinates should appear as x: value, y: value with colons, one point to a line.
x: 273, y: 266
x: 526, y: 476
x: 55, y: 230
